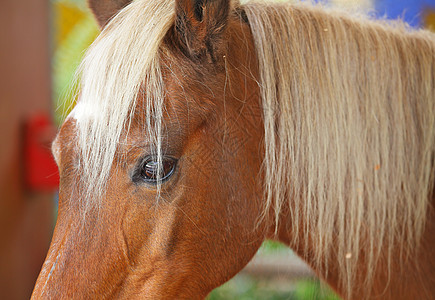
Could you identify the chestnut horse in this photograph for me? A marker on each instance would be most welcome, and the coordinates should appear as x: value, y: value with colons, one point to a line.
x: 204, y: 127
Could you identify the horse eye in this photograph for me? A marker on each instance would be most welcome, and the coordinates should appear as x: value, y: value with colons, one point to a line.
x: 149, y: 170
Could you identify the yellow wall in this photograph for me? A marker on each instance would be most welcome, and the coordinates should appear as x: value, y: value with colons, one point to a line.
x: 429, y: 19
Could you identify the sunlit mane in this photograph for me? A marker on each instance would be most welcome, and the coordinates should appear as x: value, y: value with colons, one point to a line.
x: 349, y: 131
x: 118, y: 64
x: 349, y: 109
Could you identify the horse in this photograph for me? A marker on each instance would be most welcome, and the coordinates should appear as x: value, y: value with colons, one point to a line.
x: 204, y: 127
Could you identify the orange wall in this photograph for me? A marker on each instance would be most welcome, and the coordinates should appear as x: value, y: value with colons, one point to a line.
x: 25, y: 217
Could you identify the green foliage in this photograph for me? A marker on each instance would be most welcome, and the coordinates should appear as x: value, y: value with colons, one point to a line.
x: 243, y: 287
x: 270, y: 247
x: 313, y: 290
x: 74, y: 31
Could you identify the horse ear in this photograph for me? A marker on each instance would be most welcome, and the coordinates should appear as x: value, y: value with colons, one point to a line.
x: 200, y: 25
x: 104, y: 10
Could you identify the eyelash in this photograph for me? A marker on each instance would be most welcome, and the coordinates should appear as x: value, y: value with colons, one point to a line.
x: 146, y: 171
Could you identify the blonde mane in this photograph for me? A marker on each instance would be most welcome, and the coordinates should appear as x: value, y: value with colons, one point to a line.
x: 121, y: 63
x: 348, y: 114
x: 349, y: 132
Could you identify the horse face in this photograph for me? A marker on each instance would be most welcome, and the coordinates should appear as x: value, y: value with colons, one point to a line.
x: 195, y: 229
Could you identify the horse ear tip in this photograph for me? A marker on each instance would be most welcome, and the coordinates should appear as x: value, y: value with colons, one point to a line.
x: 104, y: 10
x: 198, y: 34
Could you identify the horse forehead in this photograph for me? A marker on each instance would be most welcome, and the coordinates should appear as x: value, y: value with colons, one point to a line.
x: 84, y: 111
x: 65, y: 138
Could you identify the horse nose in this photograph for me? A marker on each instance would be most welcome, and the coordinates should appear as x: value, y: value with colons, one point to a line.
x: 47, y: 271
x: 83, y: 261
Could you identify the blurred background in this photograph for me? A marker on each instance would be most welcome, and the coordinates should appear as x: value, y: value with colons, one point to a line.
x: 41, y: 44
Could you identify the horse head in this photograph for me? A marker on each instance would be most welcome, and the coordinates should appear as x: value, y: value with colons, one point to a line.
x: 204, y: 127
x: 175, y: 211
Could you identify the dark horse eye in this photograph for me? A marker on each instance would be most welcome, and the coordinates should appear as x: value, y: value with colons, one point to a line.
x: 149, y: 169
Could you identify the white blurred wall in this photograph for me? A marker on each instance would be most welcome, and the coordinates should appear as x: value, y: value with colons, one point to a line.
x: 354, y: 4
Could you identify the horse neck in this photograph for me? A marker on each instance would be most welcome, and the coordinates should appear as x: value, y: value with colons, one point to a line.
x: 407, y: 277
x: 339, y: 94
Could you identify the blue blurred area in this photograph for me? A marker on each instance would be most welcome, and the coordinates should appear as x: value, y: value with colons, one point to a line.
x: 411, y: 11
